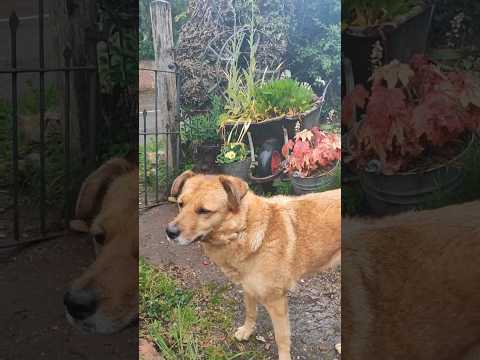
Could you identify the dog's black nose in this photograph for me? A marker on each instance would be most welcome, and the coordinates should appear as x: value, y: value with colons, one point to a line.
x: 172, y: 231
x: 80, y: 303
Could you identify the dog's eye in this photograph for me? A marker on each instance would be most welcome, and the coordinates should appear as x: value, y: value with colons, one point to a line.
x: 99, y: 238
x: 180, y: 204
x: 203, y: 211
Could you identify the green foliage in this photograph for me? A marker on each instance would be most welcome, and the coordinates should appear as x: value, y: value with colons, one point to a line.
x: 203, y: 129
x: 29, y: 175
x: 117, y: 59
x: 366, y: 13
x: 314, y: 46
x: 232, y: 152
x: 149, y: 170
x: 285, y: 96
x: 242, y: 83
x: 29, y: 103
x: 283, y: 187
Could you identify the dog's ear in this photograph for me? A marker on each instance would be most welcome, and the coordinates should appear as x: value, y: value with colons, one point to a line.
x: 94, y: 187
x: 180, y: 181
x: 236, y: 190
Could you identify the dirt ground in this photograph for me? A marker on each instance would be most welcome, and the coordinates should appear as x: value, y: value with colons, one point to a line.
x: 32, y: 321
x: 314, y: 305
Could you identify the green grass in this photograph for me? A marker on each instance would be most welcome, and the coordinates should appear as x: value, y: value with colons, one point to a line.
x: 188, y: 323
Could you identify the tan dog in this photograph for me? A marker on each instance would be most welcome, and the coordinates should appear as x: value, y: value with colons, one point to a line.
x: 104, y: 299
x: 265, y: 245
x: 411, y: 286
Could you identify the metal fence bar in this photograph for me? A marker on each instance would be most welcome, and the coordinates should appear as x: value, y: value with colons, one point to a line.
x: 67, y: 181
x: 156, y: 136
x: 158, y: 71
x: 13, y: 22
x: 46, y: 70
x: 41, y: 57
x: 145, y: 185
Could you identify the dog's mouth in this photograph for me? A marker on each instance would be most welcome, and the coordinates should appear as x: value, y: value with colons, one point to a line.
x: 182, y: 241
x: 198, y: 238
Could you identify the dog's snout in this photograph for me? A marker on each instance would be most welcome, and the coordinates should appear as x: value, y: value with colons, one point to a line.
x: 80, y: 304
x: 172, y: 231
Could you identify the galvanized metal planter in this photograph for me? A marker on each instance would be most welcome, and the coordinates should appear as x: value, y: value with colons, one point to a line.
x: 390, y: 194
x: 310, y: 184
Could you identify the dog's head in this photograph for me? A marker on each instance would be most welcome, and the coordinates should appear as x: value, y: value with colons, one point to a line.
x: 205, y: 203
x: 104, y: 299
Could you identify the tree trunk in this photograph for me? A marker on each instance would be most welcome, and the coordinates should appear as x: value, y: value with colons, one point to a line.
x: 166, y: 78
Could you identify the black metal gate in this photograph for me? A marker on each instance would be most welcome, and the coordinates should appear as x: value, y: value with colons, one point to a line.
x: 155, y: 159
x: 12, y: 210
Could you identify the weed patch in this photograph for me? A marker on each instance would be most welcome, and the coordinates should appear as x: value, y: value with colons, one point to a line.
x: 188, y: 323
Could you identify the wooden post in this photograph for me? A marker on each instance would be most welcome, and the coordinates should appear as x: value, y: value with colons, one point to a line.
x: 162, y: 34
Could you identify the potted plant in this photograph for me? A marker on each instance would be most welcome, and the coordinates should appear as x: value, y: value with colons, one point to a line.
x: 376, y: 32
x: 260, y: 102
x: 416, y: 126
x: 312, y: 158
x: 233, y: 160
x: 290, y: 98
x: 201, y: 133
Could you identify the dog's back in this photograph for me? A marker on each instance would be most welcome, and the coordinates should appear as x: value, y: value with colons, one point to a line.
x: 315, y: 222
x: 413, y: 285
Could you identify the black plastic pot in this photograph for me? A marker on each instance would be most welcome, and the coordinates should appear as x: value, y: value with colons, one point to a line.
x: 400, y: 42
x: 240, y: 169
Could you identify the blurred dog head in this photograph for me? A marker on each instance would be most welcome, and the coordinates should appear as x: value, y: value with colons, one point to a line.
x: 104, y: 299
x: 206, y: 202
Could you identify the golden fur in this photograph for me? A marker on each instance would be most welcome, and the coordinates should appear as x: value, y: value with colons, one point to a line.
x: 265, y: 245
x: 114, y: 274
x: 412, y: 285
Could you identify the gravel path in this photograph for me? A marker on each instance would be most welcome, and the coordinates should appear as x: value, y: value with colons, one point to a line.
x: 314, y: 304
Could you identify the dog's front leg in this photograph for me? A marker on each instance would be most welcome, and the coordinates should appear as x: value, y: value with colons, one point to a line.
x: 244, y: 332
x: 278, y: 311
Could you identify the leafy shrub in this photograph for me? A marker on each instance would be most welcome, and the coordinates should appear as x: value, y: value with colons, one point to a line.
x: 427, y: 110
x: 285, y: 96
x: 311, y: 151
x: 314, y: 46
x: 203, y: 129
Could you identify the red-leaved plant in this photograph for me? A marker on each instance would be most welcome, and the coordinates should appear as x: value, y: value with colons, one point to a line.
x: 411, y: 109
x: 311, y: 151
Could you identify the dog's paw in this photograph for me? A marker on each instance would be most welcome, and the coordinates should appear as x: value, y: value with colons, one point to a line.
x: 244, y: 332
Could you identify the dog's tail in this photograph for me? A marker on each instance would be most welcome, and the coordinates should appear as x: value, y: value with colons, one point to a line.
x: 94, y: 187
